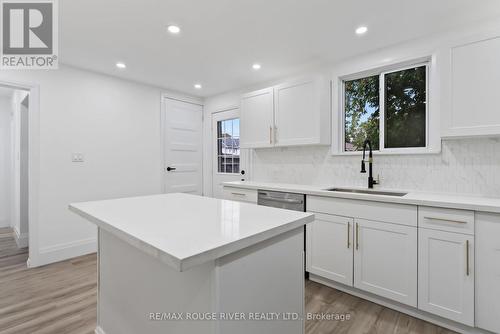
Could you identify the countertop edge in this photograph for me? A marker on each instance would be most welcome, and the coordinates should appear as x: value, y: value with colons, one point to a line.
x: 197, y: 259
x: 368, y: 197
x: 130, y: 239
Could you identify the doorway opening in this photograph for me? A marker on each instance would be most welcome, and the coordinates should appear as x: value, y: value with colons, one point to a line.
x: 14, y: 164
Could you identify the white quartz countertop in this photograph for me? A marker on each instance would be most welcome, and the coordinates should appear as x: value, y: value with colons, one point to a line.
x: 475, y: 203
x: 186, y: 230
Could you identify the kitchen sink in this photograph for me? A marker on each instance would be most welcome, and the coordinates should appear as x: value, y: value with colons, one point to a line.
x: 370, y: 192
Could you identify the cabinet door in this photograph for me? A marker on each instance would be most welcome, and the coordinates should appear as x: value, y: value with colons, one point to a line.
x: 474, y: 78
x: 385, y: 260
x: 329, y: 247
x: 446, y: 275
x: 257, y: 119
x: 299, y: 113
x: 488, y: 271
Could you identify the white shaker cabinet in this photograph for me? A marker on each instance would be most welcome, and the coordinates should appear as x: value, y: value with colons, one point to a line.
x: 329, y: 248
x: 240, y: 194
x: 292, y: 113
x: 300, y: 117
x: 257, y: 119
x: 470, y: 87
x: 385, y: 260
x: 446, y: 263
x: 488, y: 272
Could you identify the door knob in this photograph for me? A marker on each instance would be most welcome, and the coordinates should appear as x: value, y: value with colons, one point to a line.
x: 170, y: 169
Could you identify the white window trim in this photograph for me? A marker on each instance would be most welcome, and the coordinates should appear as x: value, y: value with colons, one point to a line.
x: 433, y: 140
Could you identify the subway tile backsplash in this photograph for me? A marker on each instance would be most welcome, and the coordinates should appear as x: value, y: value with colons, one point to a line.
x: 465, y: 166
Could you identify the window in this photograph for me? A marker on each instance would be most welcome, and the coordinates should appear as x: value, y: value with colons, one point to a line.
x: 228, y: 146
x: 389, y: 109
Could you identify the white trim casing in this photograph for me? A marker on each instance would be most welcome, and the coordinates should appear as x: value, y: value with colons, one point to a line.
x: 433, y: 139
x: 22, y: 239
x: 33, y: 166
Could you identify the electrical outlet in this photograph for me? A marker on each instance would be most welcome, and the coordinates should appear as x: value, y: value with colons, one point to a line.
x: 77, y: 157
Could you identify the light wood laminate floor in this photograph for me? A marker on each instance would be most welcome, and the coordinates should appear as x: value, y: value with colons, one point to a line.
x: 61, y: 298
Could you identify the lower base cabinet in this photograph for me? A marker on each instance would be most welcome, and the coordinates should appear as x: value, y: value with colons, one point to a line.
x: 446, y: 275
x: 488, y: 272
x: 385, y: 260
x: 376, y: 257
x: 329, y: 247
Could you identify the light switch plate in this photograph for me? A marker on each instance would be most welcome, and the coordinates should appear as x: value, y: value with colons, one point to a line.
x: 77, y: 157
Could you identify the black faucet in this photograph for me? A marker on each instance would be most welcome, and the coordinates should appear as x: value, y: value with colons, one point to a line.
x: 371, y: 181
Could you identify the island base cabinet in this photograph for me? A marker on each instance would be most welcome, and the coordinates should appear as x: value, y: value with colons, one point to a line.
x: 488, y: 272
x: 385, y: 260
x: 138, y: 293
x: 446, y: 275
x: 329, y: 248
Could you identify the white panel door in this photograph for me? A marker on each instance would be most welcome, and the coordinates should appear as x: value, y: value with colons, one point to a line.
x: 183, y: 147
x: 257, y: 119
x: 446, y: 275
x: 385, y: 260
x: 229, y: 161
x: 297, y: 113
x: 329, y: 248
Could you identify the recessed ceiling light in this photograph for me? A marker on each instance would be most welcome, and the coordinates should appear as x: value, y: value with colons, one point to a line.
x: 121, y: 65
x: 361, y: 30
x: 197, y: 86
x: 173, y: 29
x: 256, y: 66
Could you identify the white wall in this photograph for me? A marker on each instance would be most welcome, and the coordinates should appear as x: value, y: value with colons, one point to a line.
x: 115, y: 124
x: 5, y: 161
x: 464, y: 166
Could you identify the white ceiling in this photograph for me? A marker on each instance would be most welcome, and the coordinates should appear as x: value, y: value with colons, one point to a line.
x: 220, y: 39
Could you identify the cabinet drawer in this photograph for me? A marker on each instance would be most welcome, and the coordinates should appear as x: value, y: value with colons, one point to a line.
x: 450, y: 220
x: 241, y: 195
x: 401, y: 214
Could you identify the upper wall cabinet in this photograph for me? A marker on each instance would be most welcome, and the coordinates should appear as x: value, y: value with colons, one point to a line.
x: 471, y: 87
x: 292, y: 113
x: 257, y: 119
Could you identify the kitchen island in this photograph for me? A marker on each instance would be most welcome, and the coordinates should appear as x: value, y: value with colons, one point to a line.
x: 179, y: 263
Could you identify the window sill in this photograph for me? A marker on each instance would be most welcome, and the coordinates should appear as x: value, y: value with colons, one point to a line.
x: 409, y: 151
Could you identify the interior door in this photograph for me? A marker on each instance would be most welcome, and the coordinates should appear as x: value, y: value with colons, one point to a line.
x: 229, y: 161
x: 385, y: 260
x: 183, y: 147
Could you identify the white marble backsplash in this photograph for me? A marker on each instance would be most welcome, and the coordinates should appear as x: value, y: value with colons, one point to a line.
x: 465, y: 166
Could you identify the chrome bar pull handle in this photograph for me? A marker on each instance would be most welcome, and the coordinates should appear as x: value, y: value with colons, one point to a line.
x: 467, y: 258
x: 348, y: 235
x: 357, y: 236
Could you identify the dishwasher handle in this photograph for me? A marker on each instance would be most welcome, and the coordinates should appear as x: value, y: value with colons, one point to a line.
x: 282, y: 200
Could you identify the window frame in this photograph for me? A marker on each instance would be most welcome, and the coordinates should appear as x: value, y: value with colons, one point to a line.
x: 217, y: 156
x: 433, y: 140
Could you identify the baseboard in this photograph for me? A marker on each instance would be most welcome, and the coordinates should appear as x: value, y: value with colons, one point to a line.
x: 22, y: 239
x: 99, y: 330
x: 416, y: 313
x: 63, y: 252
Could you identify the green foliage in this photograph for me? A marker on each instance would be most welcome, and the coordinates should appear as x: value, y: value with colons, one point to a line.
x: 405, y: 98
x: 362, y: 113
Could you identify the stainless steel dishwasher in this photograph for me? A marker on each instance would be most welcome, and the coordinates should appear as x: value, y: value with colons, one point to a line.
x: 289, y: 201
x: 276, y: 199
